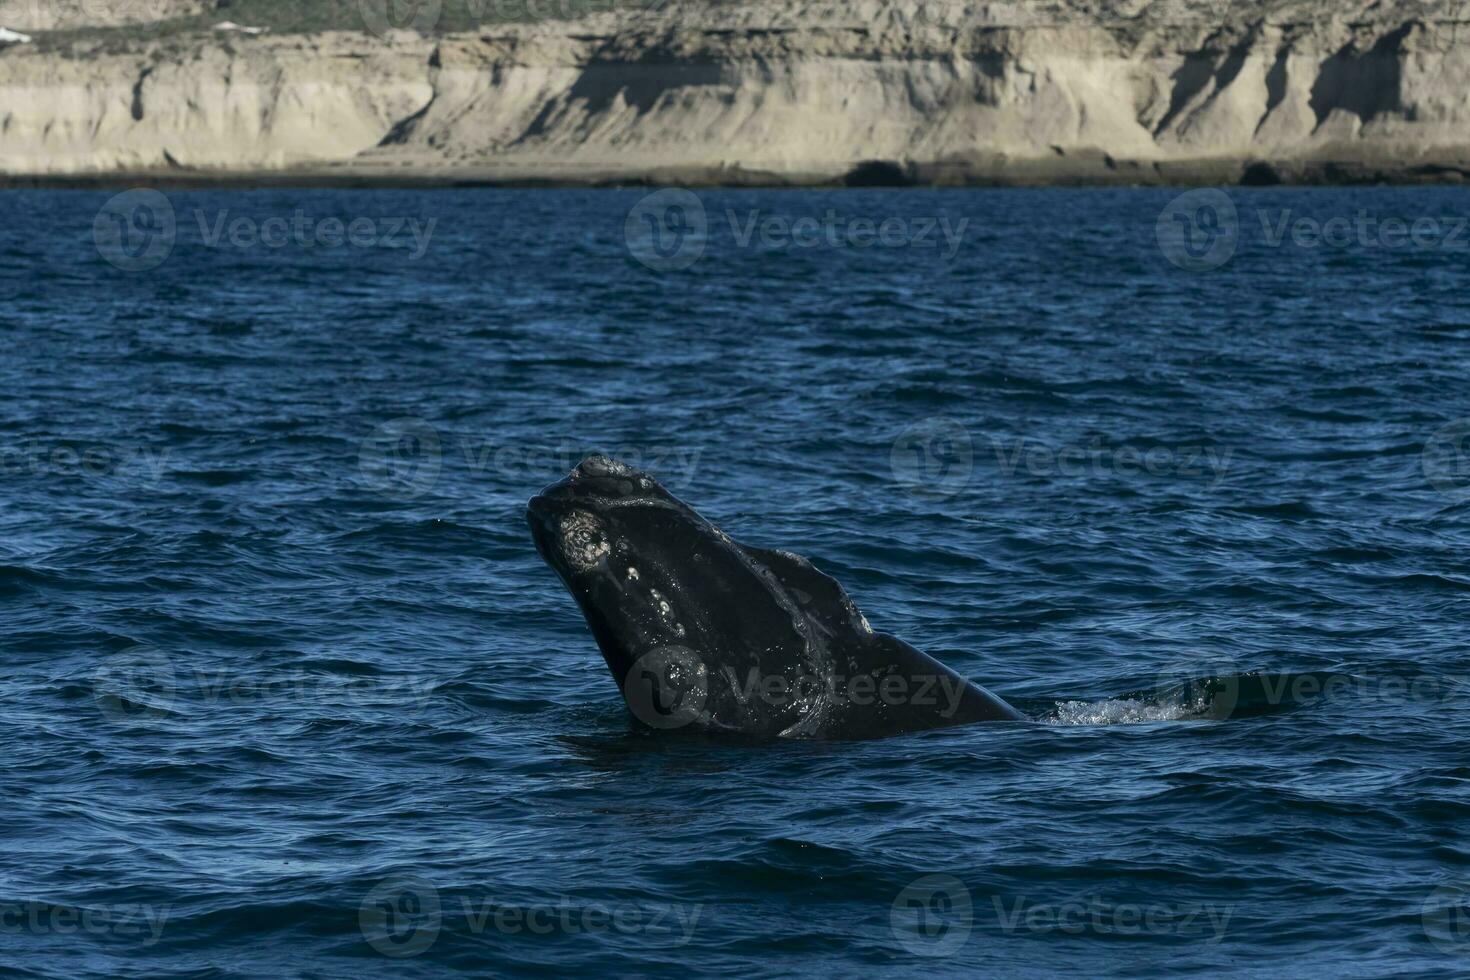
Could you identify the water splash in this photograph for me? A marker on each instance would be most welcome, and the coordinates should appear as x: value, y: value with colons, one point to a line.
x: 1215, y: 697
x: 1125, y: 711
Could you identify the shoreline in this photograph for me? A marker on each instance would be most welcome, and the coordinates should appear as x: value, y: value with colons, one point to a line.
x: 869, y: 174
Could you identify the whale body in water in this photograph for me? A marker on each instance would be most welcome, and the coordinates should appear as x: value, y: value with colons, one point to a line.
x: 703, y: 634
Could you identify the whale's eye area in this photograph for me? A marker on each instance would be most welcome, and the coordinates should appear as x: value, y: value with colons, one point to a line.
x: 583, y: 540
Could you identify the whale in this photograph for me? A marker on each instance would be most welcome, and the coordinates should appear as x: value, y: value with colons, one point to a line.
x: 705, y: 635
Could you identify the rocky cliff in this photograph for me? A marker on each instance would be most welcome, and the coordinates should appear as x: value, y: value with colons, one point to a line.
x: 773, y: 92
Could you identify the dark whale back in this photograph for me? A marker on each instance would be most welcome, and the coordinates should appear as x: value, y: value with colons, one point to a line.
x: 705, y: 634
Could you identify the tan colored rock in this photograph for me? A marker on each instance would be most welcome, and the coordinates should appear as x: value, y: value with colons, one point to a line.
x: 778, y: 92
x: 50, y: 15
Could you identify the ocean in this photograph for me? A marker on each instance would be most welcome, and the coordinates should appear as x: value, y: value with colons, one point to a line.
x: 1183, y: 475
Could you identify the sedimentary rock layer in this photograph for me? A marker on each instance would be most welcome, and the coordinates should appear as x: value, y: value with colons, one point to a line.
x: 774, y: 93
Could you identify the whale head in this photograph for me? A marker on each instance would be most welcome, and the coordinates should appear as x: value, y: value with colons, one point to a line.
x: 624, y: 547
x: 680, y: 612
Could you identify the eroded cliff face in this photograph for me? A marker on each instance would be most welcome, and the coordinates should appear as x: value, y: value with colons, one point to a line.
x: 205, y: 105
x: 946, y: 92
x: 48, y: 15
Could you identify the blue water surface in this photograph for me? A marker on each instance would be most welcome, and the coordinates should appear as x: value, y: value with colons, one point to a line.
x: 287, y: 692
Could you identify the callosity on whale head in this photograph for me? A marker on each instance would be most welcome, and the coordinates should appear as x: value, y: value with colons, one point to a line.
x: 704, y: 634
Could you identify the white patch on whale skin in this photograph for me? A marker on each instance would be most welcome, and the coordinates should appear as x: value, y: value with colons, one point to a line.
x: 666, y: 612
x: 632, y: 574
x: 583, y: 541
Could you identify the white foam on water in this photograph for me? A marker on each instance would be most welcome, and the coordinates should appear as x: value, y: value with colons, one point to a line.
x: 1125, y: 711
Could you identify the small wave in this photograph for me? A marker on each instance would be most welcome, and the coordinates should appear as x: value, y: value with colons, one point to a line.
x: 15, y: 579
x: 1287, y: 510
x: 215, y: 477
